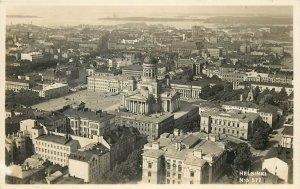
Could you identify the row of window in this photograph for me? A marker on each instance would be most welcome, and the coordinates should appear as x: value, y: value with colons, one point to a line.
x: 51, y: 145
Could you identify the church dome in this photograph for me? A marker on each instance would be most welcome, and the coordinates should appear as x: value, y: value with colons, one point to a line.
x: 150, y: 60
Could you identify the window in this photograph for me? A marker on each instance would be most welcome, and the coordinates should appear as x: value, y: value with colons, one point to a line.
x: 192, y: 173
x: 168, y: 174
x: 168, y: 181
x: 149, y: 165
x: 191, y: 182
x: 149, y: 174
x: 179, y: 168
x: 179, y: 176
x: 168, y: 165
x: 173, y: 181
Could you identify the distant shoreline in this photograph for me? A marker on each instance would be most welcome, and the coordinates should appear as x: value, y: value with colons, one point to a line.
x: 152, y: 19
x: 214, y: 19
x: 21, y: 16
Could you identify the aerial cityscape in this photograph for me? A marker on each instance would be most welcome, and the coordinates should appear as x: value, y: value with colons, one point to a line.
x: 149, y: 95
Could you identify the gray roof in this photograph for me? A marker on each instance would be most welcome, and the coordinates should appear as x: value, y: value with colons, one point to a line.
x: 88, y: 114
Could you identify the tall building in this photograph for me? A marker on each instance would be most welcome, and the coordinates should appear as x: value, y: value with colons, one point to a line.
x: 178, y: 158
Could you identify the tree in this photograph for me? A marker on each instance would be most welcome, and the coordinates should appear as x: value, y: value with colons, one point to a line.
x: 260, y: 138
x: 129, y: 170
x: 242, y: 160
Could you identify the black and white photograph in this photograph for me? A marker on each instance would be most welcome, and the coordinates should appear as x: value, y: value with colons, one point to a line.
x: 149, y: 94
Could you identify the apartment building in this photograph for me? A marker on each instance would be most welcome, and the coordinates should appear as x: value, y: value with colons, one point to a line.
x: 93, y: 162
x: 85, y: 122
x: 178, y: 158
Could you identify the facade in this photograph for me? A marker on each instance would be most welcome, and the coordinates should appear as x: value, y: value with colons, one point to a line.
x: 32, y: 57
x: 187, y: 90
x: 85, y: 122
x: 183, y: 159
x: 52, y: 90
x: 268, y: 113
x: 114, y: 84
x: 183, y: 47
x: 93, y: 163
x: 152, y: 126
x: 150, y: 96
x: 233, y: 123
x: 54, y: 148
x: 134, y: 70
x: 287, y: 137
x: 17, y: 84
x: 278, y: 167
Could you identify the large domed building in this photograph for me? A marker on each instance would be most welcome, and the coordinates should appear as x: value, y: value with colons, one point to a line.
x: 150, y: 96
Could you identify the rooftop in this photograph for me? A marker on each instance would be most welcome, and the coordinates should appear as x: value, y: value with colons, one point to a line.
x: 288, y: 130
x: 86, y: 155
x: 134, y: 67
x: 209, y: 149
x: 85, y: 113
x: 152, y: 118
x: 57, y: 139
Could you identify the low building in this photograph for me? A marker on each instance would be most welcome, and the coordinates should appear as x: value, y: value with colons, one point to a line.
x: 85, y: 122
x: 183, y: 159
x: 134, y: 70
x: 30, y: 171
x: 287, y: 137
x: 17, y: 84
x: 152, y: 126
x: 93, y: 163
x: 278, y: 167
x: 233, y: 123
x: 52, y: 90
x: 32, y: 57
x: 269, y: 113
x: 114, y: 84
x: 51, y: 147
x: 183, y: 47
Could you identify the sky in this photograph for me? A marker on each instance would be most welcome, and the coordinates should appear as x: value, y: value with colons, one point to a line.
x: 148, y: 10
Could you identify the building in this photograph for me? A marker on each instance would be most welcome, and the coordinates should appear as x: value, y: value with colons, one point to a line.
x: 214, y: 52
x: 269, y: 113
x: 85, y: 122
x: 152, y: 125
x: 179, y: 158
x: 114, y: 84
x: 53, y: 90
x: 194, y: 64
x: 54, y: 148
x: 233, y: 123
x: 150, y: 96
x: 188, y: 90
x: 92, y: 161
x: 198, y: 33
x: 134, y: 70
x: 30, y: 171
x: 183, y: 47
x: 278, y: 167
x: 17, y: 84
x: 287, y: 137
x: 277, y: 87
x: 32, y: 57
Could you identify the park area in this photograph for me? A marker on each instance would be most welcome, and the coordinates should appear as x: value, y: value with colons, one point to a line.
x: 93, y: 100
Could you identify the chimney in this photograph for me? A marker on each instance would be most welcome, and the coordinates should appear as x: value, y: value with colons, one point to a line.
x: 241, y: 97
